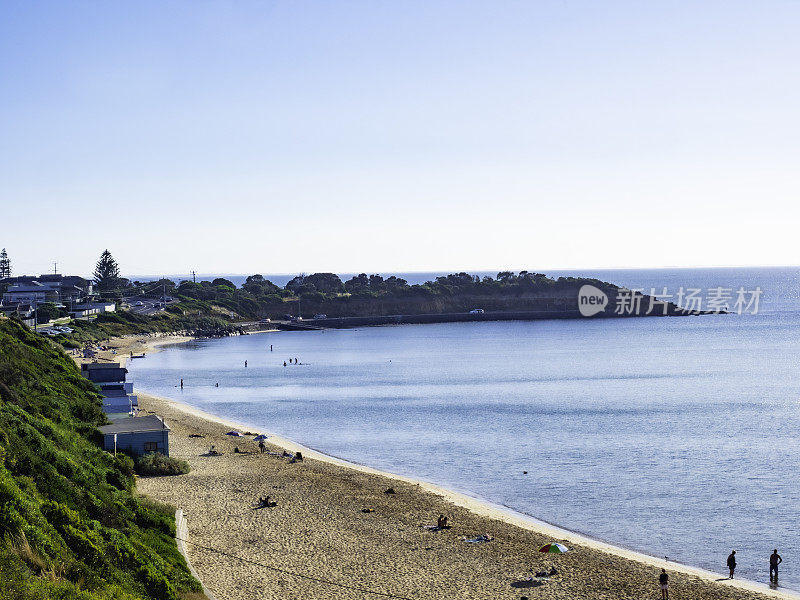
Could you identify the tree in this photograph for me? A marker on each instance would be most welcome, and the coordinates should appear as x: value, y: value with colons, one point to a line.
x: 5, y: 265
x: 46, y: 312
x: 106, y: 274
x: 225, y: 282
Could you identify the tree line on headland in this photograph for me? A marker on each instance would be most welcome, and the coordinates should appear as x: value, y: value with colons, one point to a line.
x: 374, y: 295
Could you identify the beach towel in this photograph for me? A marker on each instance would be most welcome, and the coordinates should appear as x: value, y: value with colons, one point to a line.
x: 480, y: 539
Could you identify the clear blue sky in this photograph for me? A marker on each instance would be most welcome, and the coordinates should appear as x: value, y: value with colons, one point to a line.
x: 398, y: 136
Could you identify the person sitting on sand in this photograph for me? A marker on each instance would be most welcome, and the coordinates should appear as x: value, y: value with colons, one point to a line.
x: 441, y: 522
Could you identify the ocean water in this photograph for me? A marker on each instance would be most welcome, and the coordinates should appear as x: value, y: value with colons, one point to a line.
x: 676, y: 437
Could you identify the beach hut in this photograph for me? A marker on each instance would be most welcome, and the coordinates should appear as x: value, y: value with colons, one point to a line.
x: 138, y: 435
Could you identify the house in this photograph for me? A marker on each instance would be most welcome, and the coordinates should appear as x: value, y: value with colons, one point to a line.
x: 47, y: 288
x: 117, y: 393
x: 79, y: 311
x: 30, y: 293
x: 102, y: 373
x: 22, y: 310
x: 137, y: 435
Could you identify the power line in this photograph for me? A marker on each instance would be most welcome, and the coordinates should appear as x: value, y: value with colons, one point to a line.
x: 293, y: 574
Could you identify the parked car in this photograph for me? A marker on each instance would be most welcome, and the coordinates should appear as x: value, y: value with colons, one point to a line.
x: 476, y: 311
x: 320, y: 316
x: 265, y: 321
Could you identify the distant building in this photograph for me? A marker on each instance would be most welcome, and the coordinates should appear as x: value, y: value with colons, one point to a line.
x: 22, y: 310
x: 138, y: 435
x: 79, y: 311
x: 30, y: 293
x: 47, y: 288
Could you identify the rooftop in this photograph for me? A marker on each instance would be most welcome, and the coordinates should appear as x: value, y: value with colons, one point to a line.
x: 99, y: 365
x: 135, y: 425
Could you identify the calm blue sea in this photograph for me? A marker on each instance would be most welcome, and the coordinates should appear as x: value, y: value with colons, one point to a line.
x: 677, y: 437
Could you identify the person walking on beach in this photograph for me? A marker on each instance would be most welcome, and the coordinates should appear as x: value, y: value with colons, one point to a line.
x: 663, y: 583
x: 774, y: 560
x: 732, y: 563
x: 261, y: 446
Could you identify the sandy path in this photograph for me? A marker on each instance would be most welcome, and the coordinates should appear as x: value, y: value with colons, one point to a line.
x: 318, y: 529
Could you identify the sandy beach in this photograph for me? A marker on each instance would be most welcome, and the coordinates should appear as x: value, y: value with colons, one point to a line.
x: 319, y: 530
x: 120, y: 349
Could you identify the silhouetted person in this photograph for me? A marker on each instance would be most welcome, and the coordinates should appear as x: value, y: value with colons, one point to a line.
x: 245, y: 364
x: 261, y: 446
x: 270, y: 347
x: 181, y: 383
x: 774, y: 560
x: 284, y: 363
x: 663, y: 583
x: 732, y: 563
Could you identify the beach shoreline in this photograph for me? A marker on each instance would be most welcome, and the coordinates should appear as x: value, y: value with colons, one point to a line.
x: 480, y: 508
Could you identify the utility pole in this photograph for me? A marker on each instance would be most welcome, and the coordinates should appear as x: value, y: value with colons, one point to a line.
x: 164, y: 285
x: 55, y: 268
x: 194, y: 277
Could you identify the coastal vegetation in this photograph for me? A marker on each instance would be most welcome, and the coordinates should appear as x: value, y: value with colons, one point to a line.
x: 373, y: 295
x: 155, y: 464
x: 71, y: 523
x: 197, y: 322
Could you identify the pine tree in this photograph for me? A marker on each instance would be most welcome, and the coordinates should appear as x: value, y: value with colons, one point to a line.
x: 106, y: 273
x: 5, y: 265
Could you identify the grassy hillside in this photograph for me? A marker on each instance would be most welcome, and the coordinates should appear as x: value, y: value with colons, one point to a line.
x: 70, y: 523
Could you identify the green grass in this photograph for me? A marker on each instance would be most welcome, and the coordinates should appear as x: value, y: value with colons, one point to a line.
x: 71, y: 525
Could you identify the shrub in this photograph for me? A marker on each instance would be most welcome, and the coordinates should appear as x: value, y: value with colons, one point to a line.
x: 154, y: 463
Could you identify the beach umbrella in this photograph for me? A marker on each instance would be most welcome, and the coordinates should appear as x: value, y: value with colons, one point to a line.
x: 554, y: 548
x: 235, y: 433
x: 260, y: 437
